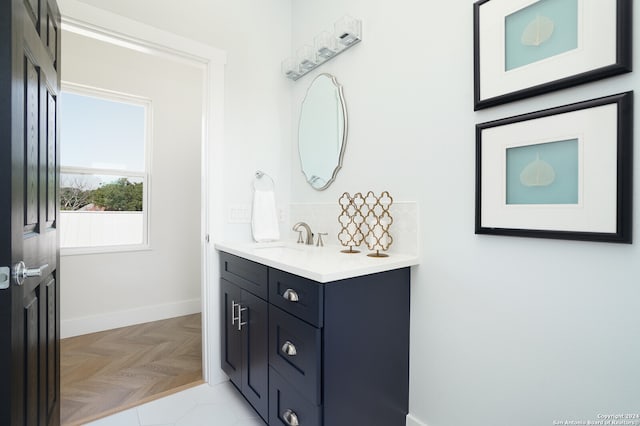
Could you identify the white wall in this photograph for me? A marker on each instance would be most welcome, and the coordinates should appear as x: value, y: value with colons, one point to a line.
x: 256, y: 36
x: 504, y: 331
x: 101, y: 291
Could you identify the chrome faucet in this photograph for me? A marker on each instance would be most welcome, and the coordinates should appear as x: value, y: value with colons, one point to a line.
x: 309, y: 239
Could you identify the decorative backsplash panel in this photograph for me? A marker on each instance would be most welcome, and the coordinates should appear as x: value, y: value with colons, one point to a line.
x: 351, y: 220
x: 365, y: 218
x: 322, y: 218
x: 377, y: 222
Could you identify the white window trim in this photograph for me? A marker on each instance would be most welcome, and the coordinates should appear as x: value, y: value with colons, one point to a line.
x: 146, y: 103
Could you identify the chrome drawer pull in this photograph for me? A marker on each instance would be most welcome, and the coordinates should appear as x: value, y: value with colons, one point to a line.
x: 289, y: 349
x: 238, y: 318
x: 233, y: 311
x: 290, y: 418
x: 240, y: 322
x: 290, y: 295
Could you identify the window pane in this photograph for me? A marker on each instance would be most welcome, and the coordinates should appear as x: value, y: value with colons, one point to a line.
x: 103, y: 176
x: 98, y: 210
x: 100, y: 229
x: 100, y: 192
x: 100, y: 133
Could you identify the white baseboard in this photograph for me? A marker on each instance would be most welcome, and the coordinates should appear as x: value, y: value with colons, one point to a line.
x: 92, y: 324
x: 412, y: 421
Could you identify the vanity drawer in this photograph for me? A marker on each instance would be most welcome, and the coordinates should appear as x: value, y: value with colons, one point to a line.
x: 295, y: 350
x: 244, y: 273
x: 287, y: 407
x: 299, y: 296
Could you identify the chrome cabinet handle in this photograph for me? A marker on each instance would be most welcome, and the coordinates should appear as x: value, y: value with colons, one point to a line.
x: 21, y: 272
x: 290, y: 295
x: 290, y: 418
x: 240, y: 322
x: 233, y: 311
x: 238, y: 318
x: 289, y: 349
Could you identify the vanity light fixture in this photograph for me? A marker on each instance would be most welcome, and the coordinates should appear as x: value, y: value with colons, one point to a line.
x: 326, y: 45
x: 347, y: 32
x: 290, y: 69
x: 307, y: 59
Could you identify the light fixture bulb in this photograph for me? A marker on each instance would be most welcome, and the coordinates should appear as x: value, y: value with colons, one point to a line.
x: 348, y: 30
x: 326, y: 45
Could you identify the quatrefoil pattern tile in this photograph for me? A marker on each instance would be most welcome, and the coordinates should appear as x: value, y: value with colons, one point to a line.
x: 365, y: 218
x: 351, y: 220
x: 378, y: 221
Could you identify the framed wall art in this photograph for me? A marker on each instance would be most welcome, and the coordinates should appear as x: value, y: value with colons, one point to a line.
x: 564, y: 172
x: 524, y: 48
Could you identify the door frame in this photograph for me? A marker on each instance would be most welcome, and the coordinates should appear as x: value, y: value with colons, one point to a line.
x: 99, y: 24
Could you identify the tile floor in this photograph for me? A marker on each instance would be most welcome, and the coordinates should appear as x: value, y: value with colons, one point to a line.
x: 204, y: 405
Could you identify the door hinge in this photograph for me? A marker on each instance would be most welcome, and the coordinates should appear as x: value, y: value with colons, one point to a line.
x: 5, y: 277
x: 206, y: 238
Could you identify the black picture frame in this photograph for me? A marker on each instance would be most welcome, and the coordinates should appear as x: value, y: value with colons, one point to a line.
x: 623, y: 178
x: 622, y: 63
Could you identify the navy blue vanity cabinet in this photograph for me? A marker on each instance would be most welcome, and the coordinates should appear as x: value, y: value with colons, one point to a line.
x: 338, y: 352
x: 244, y: 329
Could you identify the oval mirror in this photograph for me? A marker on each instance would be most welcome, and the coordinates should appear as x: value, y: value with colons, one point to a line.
x: 322, y: 132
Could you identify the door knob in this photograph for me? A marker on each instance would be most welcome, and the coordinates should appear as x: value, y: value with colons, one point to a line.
x: 21, y: 272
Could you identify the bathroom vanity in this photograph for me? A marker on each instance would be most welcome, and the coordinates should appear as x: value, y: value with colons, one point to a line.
x: 314, y: 337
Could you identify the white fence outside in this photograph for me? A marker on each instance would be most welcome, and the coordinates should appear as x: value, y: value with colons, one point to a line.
x: 97, y: 229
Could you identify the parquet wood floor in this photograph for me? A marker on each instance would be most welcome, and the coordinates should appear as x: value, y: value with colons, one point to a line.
x: 118, y: 369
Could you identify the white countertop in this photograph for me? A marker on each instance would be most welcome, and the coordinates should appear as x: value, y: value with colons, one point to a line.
x: 322, y: 264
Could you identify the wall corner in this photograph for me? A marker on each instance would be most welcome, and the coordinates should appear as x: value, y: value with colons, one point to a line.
x: 413, y: 421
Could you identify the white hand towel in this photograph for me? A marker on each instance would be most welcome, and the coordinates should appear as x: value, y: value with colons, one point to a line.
x: 264, y: 217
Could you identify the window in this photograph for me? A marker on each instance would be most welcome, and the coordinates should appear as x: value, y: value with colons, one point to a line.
x: 104, y: 171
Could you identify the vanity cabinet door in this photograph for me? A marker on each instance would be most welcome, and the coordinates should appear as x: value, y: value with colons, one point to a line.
x: 255, y: 365
x: 244, y: 343
x: 231, y: 337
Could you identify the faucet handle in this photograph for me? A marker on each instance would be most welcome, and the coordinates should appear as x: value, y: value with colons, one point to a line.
x: 320, y: 243
x: 300, y: 240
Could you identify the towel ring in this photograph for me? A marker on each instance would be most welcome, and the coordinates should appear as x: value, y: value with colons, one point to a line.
x: 263, y: 184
